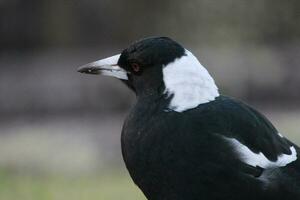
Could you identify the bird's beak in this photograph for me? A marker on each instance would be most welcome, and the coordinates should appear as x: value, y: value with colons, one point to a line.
x: 107, y: 67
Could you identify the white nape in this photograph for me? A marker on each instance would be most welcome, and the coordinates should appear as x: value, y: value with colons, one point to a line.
x: 189, y: 83
x: 259, y: 159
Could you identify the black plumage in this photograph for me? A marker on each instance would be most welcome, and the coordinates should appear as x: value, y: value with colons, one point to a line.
x: 182, y: 155
x: 186, y: 156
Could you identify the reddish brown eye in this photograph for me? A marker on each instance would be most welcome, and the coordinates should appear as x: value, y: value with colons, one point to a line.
x: 135, y: 67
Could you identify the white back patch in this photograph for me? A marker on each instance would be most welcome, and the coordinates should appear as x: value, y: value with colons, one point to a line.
x: 189, y: 83
x: 259, y: 159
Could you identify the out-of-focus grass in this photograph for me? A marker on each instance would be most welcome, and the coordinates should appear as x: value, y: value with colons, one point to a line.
x: 111, y: 186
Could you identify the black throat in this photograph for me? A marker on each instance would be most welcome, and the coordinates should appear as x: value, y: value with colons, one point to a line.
x: 151, y: 84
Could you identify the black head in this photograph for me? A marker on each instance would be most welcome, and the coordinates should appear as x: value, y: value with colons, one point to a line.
x: 140, y: 65
x: 160, y: 67
x: 149, y: 52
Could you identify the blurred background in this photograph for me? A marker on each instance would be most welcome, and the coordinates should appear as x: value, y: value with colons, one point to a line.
x: 60, y: 130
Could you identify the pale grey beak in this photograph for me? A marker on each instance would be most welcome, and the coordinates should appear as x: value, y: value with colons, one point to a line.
x: 107, y: 67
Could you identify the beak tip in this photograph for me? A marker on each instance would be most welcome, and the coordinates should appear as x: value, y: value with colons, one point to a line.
x: 88, y: 69
x: 80, y: 69
x: 105, y: 66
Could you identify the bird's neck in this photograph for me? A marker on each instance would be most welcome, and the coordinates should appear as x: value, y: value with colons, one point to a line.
x: 183, y: 84
x: 188, y: 83
x: 150, y: 85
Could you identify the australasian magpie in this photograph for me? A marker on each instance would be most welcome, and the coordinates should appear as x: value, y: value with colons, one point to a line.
x: 184, y: 141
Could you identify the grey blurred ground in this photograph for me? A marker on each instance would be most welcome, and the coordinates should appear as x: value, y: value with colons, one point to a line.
x: 83, y: 145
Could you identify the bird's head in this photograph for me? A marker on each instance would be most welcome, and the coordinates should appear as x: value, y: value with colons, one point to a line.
x: 159, y: 66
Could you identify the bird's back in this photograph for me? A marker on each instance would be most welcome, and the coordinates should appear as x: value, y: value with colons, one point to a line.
x: 173, y: 155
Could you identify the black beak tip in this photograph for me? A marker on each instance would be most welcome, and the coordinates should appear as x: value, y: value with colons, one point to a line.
x: 82, y: 69
x: 88, y: 70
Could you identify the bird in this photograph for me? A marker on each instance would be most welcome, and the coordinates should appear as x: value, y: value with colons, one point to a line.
x: 183, y: 140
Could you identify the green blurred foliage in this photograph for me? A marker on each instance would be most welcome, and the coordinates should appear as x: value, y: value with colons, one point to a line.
x: 108, y: 185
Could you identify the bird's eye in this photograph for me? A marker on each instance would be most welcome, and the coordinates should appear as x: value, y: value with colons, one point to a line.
x: 135, y: 67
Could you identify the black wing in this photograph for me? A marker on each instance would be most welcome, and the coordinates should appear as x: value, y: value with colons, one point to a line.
x: 254, y: 130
